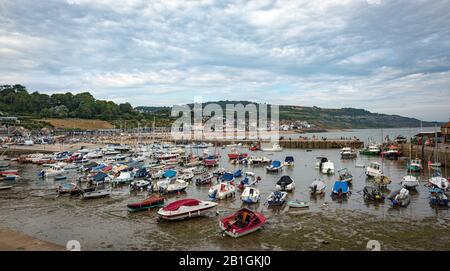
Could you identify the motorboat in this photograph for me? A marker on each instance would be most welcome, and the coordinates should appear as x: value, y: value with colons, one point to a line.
x: 51, y: 172
x: 222, y: 190
x: 373, y: 149
x: 275, y: 148
x: 250, y: 195
x: 275, y: 166
x: 237, y: 155
x: 288, y: 161
x: 66, y: 188
x: 340, y: 190
x: 345, y: 175
x: 374, y: 170
x: 285, y: 183
x: 348, y: 153
x: 373, y: 193
x: 400, y: 197
x: 210, y: 161
x: 392, y: 152
x: 415, y: 165
x: 439, y: 182
x: 256, y: 160
x: 249, y: 180
x: 171, y: 186
x: 409, y: 182
x: 242, y: 222
x: 237, y: 173
x: 150, y: 203
x: 139, y: 185
x: 186, y: 176
x: 327, y: 168
x: 185, y: 208
x: 277, y: 198
x: 317, y: 187
x: 206, y: 179
x: 124, y: 177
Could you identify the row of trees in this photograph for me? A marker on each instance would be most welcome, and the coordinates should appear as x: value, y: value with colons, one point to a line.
x: 15, y: 99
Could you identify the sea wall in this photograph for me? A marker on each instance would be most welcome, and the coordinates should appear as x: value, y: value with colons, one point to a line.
x: 427, y: 153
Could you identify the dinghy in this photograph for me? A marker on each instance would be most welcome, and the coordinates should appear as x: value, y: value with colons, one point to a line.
x: 298, y: 204
x: 222, y: 190
x: 285, y: 183
x: 317, y: 187
x: 249, y: 180
x: 372, y: 193
x: 340, y: 190
x: 409, y: 182
x: 400, y: 198
x: 345, y: 175
x: 185, y: 208
x: 275, y: 166
x: 250, y: 195
x: 96, y: 194
x: 277, y: 198
x: 243, y: 222
x: 150, y: 203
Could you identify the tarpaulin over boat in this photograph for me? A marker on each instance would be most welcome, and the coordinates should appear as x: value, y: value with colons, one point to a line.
x: 285, y: 180
x: 289, y: 159
x: 169, y: 174
x: 276, y: 163
x: 340, y: 187
x: 100, y: 177
x: 177, y: 204
x: 98, y: 168
x: 227, y: 176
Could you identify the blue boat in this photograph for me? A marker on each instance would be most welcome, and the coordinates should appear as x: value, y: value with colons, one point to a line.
x: 340, y: 190
x: 438, y: 197
x: 275, y: 166
x: 227, y: 177
x: 237, y: 173
x: 169, y: 174
x: 289, y: 161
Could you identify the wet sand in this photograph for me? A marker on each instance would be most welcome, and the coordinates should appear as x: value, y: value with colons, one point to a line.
x: 11, y: 240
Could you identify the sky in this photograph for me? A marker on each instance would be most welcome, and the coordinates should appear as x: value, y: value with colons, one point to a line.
x: 385, y: 56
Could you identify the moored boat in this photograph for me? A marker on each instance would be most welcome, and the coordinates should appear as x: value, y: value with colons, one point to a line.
x: 222, y: 190
x: 438, y: 197
x: 185, y: 208
x: 150, y: 203
x: 250, y: 195
x: 288, y: 161
x: 277, y: 198
x: 409, y: 182
x: 298, y: 204
x: 373, y: 193
x: 340, y: 190
x: 345, y: 175
x: 317, y: 187
x: 275, y: 166
x: 400, y: 198
x: 243, y: 222
x: 374, y: 170
x: 285, y: 183
x: 100, y: 193
x: 348, y: 153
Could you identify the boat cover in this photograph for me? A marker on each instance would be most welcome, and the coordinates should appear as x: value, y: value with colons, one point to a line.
x: 169, y: 174
x: 289, y: 159
x: 342, y: 186
x: 100, y: 177
x: 227, y: 176
x: 285, y: 180
x: 276, y: 163
x: 184, y: 202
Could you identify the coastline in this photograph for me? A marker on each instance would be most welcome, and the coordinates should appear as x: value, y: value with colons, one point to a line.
x: 11, y: 240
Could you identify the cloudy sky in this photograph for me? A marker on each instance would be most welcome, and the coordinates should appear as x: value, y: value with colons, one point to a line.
x: 382, y: 55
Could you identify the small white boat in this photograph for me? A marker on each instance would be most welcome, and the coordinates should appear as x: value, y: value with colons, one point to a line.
x: 275, y: 148
x: 187, y: 176
x: 171, y: 186
x: 374, y: 170
x: 250, y: 195
x: 409, y: 182
x: 317, y: 187
x: 439, y: 182
x: 400, y: 198
x: 185, y: 208
x: 124, y: 178
x: 96, y: 194
x: 52, y: 172
x: 222, y: 190
x: 298, y: 204
x: 139, y: 185
x: 348, y: 153
x: 328, y: 167
x: 277, y: 198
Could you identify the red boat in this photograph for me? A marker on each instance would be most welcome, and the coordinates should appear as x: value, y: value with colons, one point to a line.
x: 242, y: 222
x: 236, y: 155
x: 210, y: 162
x: 149, y: 203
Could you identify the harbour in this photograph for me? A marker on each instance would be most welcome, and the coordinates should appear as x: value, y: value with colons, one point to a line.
x: 35, y: 208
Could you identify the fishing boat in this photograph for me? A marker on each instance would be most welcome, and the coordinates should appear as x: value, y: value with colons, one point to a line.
x: 243, y: 222
x: 250, y: 195
x: 285, y: 183
x: 438, y: 197
x: 288, y: 161
x: 317, y: 187
x: 373, y: 193
x: 348, y: 153
x: 150, y: 203
x: 345, y: 175
x: 206, y: 179
x: 277, y: 198
x: 340, y: 190
x: 275, y: 166
x: 185, y: 208
x: 275, y: 148
x: 373, y: 170
x: 409, y: 182
x: 415, y: 165
x: 373, y: 149
x: 139, y: 185
x: 400, y: 198
x: 96, y: 194
x: 222, y: 190
x: 298, y: 204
